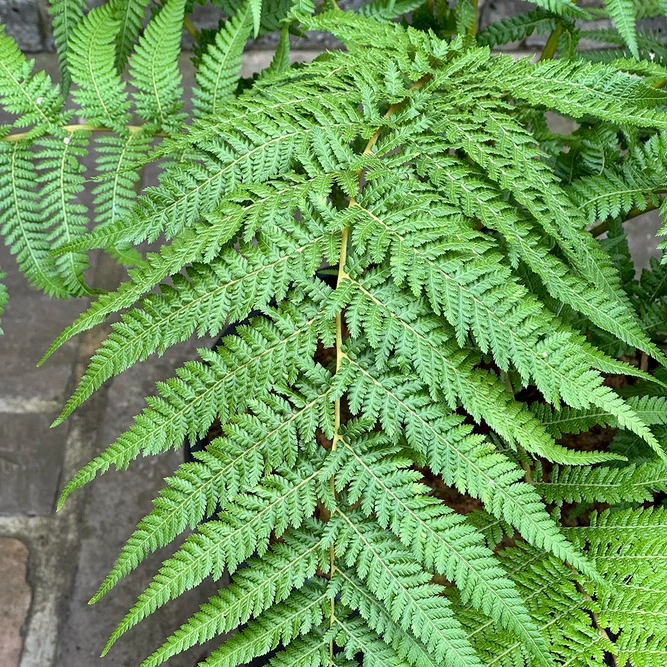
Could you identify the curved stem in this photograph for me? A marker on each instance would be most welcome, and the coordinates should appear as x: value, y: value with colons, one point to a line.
x: 550, y: 47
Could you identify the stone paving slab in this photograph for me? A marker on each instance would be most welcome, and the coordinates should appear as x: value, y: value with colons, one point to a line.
x: 15, y: 595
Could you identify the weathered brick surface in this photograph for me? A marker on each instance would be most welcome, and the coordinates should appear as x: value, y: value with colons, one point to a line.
x: 15, y: 597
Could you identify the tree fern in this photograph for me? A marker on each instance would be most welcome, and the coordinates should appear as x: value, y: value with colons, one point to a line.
x: 416, y: 322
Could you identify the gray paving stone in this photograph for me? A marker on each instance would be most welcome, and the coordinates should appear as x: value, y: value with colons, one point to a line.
x: 15, y: 597
x: 25, y: 22
x: 31, y: 458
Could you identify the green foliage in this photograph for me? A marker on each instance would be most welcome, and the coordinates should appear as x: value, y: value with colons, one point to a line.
x: 67, y: 14
x: 425, y: 322
x: 154, y: 69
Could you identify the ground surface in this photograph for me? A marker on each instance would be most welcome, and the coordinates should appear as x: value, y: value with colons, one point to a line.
x: 52, y: 563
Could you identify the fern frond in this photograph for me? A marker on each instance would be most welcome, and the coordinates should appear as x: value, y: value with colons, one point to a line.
x: 246, y: 526
x: 262, y: 583
x: 100, y: 92
x: 464, y: 459
x: 563, y: 8
x: 21, y: 221
x: 444, y: 368
x: 633, y: 483
x: 388, y: 10
x: 61, y: 180
x: 479, y: 199
x: 270, y: 209
x: 282, y: 624
x: 355, y: 594
x: 67, y: 14
x: 131, y: 14
x: 220, y: 68
x: 31, y: 96
x: 228, y: 289
x: 534, y: 186
x: 627, y: 546
x: 312, y: 650
x: 577, y: 88
x: 154, y: 69
x: 622, y: 12
x: 118, y: 160
x: 397, y: 580
x: 517, y: 27
x: 439, y: 539
x: 250, y: 144
x: 497, y: 305
x: 633, y: 184
x: 189, y: 403
x: 555, y: 600
x: 253, y: 446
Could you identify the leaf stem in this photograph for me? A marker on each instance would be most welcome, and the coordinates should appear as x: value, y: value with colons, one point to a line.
x: 85, y: 127
x: 191, y: 28
x: 550, y: 47
x: 472, y: 28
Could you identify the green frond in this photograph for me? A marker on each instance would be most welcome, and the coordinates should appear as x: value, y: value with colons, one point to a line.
x: 189, y: 403
x: 154, y: 69
x: 31, y: 96
x: 118, y: 161
x: 382, y: 440
x: 404, y: 587
x: 270, y: 209
x: 355, y: 594
x: 283, y: 624
x: 249, y: 144
x: 131, y: 14
x: 220, y: 68
x: 254, y: 445
x: 623, y: 14
x: 632, y: 483
x: 21, y: 220
x: 478, y: 198
x: 517, y: 27
x: 555, y: 600
x: 563, y: 8
x: 577, y: 88
x: 464, y: 459
x: 60, y: 182
x: 280, y: 501
x: 67, y: 14
x: 446, y: 369
x: 440, y: 540
x: 520, y: 171
x: 634, y: 184
x: 628, y: 546
x: 502, y: 306
x: 201, y: 302
x: 91, y: 52
x: 262, y: 583
x: 388, y: 10
x: 312, y: 650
